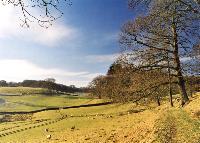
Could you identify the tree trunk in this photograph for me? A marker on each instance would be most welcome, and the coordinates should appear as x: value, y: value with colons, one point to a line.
x: 169, y: 78
x: 181, y: 81
x: 191, y: 89
x: 158, y: 100
x: 170, y: 96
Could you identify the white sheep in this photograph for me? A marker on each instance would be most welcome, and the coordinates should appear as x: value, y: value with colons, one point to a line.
x: 46, y: 130
x: 49, y: 137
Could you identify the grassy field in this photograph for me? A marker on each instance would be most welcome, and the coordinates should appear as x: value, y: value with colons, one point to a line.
x: 125, y: 123
x: 34, y: 99
x: 35, y: 102
x: 22, y: 90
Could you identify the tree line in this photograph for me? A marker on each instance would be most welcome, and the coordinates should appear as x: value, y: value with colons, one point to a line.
x: 47, y: 83
x: 128, y: 84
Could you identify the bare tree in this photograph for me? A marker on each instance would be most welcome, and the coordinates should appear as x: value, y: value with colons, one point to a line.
x: 195, y: 57
x: 123, y: 84
x: 98, y: 86
x: 49, y: 10
x: 191, y: 5
x: 168, y: 28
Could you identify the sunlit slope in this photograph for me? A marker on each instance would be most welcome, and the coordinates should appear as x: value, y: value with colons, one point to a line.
x: 111, y: 123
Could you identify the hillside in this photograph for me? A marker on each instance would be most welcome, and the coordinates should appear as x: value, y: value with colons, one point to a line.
x: 110, y: 123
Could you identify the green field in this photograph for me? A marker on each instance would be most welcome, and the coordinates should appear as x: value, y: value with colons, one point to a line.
x: 121, y: 123
x: 22, y: 90
x: 35, y: 102
x: 34, y: 99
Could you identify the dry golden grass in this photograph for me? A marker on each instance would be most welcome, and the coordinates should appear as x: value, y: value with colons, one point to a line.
x: 111, y: 123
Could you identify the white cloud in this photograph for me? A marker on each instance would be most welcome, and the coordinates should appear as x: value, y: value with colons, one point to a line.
x: 22, y: 69
x: 102, y: 58
x: 10, y: 28
x: 19, y: 70
x: 49, y: 37
x: 91, y: 75
x: 7, y: 20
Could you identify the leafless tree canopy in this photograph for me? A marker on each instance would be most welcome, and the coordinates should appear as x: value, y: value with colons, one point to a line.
x: 47, y: 10
x: 192, y: 5
x: 164, y: 37
x: 161, y: 52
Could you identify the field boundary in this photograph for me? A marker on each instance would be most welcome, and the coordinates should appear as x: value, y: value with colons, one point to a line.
x: 55, y: 108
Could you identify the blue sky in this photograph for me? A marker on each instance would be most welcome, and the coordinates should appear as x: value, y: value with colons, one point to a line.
x: 79, y: 46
